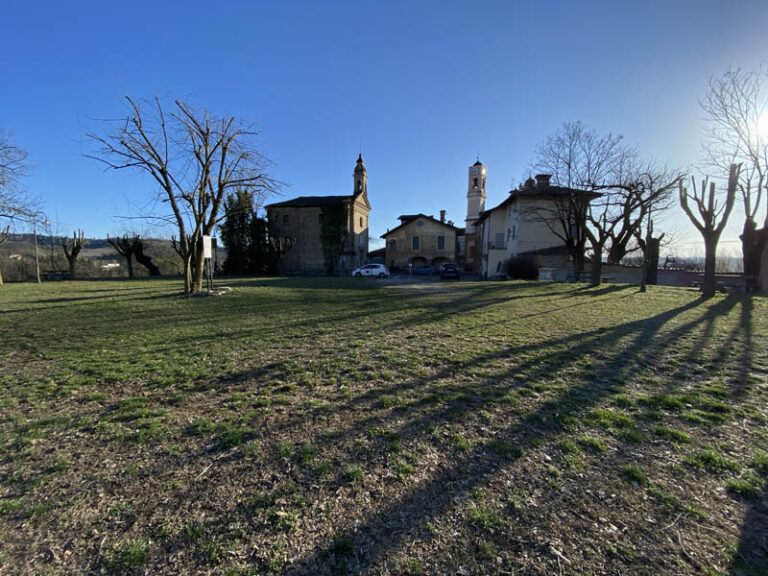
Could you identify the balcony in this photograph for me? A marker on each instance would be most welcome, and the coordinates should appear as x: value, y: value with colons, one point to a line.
x: 497, y: 245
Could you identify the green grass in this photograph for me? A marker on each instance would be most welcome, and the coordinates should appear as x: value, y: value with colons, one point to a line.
x: 336, y: 426
x: 132, y: 555
x: 672, y: 434
x: 712, y: 461
x: 632, y: 473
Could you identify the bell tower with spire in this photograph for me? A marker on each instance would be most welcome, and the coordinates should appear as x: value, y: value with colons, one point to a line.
x: 361, y: 178
x: 475, y: 194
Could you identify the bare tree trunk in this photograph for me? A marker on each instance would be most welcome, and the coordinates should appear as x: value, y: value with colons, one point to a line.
x: 753, y: 242
x: 145, y: 260
x: 654, y: 250
x: 597, y: 264
x: 198, y: 268
x: 710, y: 254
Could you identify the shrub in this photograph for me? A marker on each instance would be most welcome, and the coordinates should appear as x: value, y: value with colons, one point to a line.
x: 522, y: 268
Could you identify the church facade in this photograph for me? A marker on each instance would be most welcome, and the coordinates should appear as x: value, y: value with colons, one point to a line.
x: 301, y: 219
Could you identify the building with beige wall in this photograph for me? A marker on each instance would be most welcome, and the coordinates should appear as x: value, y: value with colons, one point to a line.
x: 524, y: 224
x: 301, y: 219
x: 420, y: 240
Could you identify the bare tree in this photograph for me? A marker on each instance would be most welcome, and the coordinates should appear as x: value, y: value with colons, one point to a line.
x: 72, y: 250
x: 126, y: 247
x: 709, y: 210
x: 196, y: 158
x: 15, y: 205
x: 649, y: 189
x: 581, y: 158
x: 736, y: 110
x: 145, y: 259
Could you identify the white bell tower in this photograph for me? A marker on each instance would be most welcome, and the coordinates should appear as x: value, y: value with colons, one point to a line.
x: 475, y: 194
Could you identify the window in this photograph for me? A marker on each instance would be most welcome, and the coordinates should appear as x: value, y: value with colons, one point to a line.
x: 361, y: 221
x: 285, y: 219
x: 514, y: 232
x: 415, y: 243
x: 499, y: 240
x: 392, y: 245
x: 441, y: 242
x: 320, y: 218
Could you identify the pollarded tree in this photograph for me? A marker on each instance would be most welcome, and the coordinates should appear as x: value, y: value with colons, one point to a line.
x: 736, y: 111
x: 72, y: 250
x: 126, y: 247
x: 196, y: 158
x: 145, y: 259
x: 706, y: 221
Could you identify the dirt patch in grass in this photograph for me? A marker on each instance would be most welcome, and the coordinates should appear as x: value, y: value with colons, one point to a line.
x: 334, y: 426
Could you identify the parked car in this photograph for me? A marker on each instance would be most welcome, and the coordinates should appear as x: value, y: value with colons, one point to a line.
x: 424, y: 269
x: 450, y: 271
x: 376, y: 270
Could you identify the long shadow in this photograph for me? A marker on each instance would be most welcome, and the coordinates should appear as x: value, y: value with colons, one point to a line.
x: 432, y: 498
x: 746, y: 358
x: 607, y: 289
x: 752, y: 552
x: 751, y: 558
x: 563, y: 352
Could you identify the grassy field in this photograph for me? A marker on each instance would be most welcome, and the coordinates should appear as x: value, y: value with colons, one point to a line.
x: 357, y: 427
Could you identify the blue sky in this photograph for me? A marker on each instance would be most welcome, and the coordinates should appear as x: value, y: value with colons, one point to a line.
x: 421, y: 87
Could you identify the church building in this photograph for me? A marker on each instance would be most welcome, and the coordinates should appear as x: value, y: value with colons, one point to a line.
x: 301, y: 220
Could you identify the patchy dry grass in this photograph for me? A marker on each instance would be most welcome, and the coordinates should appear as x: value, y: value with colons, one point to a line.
x: 333, y: 426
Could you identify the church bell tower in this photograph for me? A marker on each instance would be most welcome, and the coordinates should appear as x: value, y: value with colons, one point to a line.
x: 361, y: 178
x: 475, y: 194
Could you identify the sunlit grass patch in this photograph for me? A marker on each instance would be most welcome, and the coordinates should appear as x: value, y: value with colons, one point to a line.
x: 711, y: 461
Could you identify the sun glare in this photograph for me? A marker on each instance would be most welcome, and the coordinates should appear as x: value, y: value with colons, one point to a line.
x: 762, y: 125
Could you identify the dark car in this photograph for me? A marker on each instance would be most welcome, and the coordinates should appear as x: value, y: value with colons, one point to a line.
x: 450, y: 271
x: 424, y: 269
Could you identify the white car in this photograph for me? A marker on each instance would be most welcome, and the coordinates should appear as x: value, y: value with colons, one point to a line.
x: 376, y: 270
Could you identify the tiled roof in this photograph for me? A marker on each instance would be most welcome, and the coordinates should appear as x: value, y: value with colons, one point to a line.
x: 304, y: 201
x: 408, y: 218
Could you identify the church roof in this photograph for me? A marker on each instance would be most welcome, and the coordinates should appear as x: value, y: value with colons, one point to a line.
x: 551, y: 192
x: 478, y: 163
x: 305, y: 201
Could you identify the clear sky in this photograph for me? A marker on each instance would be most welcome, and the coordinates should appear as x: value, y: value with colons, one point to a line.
x: 420, y: 87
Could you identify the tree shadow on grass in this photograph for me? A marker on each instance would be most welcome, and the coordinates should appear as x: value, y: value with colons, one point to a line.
x: 603, y: 290
x: 433, y: 497
x: 751, y: 558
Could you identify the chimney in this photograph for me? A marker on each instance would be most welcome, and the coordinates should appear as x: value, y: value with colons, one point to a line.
x: 542, y: 180
x: 442, y: 216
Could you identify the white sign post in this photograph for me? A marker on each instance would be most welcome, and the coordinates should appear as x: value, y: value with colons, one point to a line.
x: 207, y: 262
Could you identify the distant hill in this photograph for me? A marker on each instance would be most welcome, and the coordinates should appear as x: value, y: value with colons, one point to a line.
x: 98, y: 259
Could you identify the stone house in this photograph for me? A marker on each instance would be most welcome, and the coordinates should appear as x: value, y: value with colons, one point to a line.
x: 420, y: 240
x: 301, y: 220
x: 522, y: 225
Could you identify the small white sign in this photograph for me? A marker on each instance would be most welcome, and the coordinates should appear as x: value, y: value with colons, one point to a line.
x: 207, y: 247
